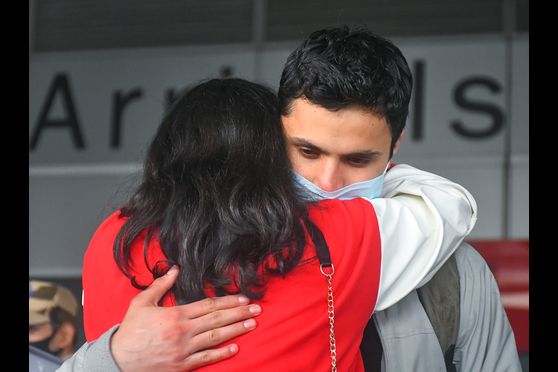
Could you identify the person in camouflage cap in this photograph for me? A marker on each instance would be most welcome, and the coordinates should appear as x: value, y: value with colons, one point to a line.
x: 53, y: 313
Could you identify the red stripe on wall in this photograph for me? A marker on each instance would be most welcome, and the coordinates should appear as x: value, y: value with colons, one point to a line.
x: 509, y: 262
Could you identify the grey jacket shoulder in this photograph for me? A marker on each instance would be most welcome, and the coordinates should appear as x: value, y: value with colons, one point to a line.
x: 409, y: 342
x: 469, y: 260
x: 93, y: 356
x: 485, y: 341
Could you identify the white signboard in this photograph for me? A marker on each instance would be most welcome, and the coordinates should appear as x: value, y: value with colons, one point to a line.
x: 92, y: 114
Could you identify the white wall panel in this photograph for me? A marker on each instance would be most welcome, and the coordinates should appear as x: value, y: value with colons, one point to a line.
x: 71, y: 191
x: 482, y: 176
x: 64, y: 211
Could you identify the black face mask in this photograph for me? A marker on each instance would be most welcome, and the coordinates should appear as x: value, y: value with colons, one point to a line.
x: 43, y: 344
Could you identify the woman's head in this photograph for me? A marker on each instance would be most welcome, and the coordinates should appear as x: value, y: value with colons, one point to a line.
x: 218, y: 128
x: 217, y: 190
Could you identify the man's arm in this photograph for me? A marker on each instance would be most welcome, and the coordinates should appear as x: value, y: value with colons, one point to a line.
x: 153, y: 338
x: 485, y: 342
x: 422, y: 220
x: 92, y: 356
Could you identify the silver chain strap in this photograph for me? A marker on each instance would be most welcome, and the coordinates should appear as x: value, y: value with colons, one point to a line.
x: 331, y: 316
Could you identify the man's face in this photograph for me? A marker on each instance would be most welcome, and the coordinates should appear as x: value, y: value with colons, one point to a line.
x: 336, y: 149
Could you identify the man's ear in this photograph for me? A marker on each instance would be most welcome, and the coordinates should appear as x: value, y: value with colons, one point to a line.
x: 64, y: 337
x: 398, y: 143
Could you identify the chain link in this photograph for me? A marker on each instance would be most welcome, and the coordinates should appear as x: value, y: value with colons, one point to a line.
x: 331, y: 316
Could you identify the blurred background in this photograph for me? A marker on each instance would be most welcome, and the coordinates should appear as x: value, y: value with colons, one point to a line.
x: 101, y: 73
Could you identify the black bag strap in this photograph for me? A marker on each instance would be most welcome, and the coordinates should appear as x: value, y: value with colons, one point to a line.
x: 440, y: 298
x: 322, y: 249
x: 327, y: 269
x: 371, y: 348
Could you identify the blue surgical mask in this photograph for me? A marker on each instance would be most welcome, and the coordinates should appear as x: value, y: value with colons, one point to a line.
x: 369, y: 189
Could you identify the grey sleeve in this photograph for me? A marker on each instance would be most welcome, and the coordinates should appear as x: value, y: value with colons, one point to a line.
x: 93, y: 356
x: 486, y: 342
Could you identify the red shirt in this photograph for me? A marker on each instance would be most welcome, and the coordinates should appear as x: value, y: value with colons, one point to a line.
x: 293, y: 328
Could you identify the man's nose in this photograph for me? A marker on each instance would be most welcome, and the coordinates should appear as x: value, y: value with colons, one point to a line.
x: 329, y: 177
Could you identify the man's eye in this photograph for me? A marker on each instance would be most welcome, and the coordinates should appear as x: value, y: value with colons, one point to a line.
x: 308, y: 153
x: 358, y: 161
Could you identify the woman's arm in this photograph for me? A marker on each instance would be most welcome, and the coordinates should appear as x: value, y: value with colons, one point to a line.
x: 154, y: 338
x: 422, y: 220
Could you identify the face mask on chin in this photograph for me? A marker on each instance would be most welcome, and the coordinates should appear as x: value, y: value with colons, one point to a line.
x: 369, y: 189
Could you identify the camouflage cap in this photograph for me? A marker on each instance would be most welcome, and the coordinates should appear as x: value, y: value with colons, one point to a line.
x: 45, y: 296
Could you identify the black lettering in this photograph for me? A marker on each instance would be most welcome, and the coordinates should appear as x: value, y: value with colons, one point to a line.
x: 492, y: 110
x: 418, y: 103
x: 119, y: 102
x: 60, y: 85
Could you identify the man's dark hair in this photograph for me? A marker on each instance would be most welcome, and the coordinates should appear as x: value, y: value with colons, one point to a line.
x: 217, y: 193
x: 339, y: 67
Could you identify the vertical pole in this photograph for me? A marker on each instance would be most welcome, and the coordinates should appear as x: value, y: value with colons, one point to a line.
x: 258, y: 35
x: 508, y: 14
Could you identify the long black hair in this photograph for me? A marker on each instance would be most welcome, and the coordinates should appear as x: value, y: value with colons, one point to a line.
x: 341, y: 66
x: 217, y: 193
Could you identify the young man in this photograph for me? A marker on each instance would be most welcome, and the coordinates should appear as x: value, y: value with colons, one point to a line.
x: 344, y: 98
x: 52, y: 318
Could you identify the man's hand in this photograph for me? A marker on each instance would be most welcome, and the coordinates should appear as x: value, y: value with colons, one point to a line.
x: 153, y: 338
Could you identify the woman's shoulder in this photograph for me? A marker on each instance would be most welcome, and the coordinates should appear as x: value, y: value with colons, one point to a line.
x: 113, y: 222
x: 104, y: 237
x: 143, y: 255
